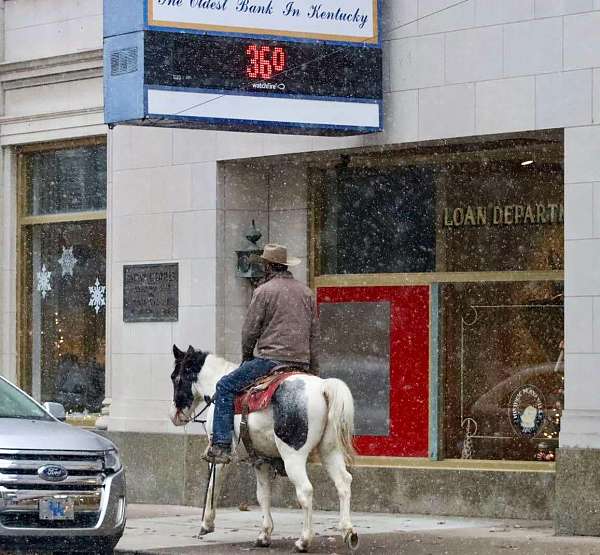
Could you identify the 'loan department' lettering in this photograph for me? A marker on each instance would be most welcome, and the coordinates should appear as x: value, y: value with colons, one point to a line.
x: 509, y: 214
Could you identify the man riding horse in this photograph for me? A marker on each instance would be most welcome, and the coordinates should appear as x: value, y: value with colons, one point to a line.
x: 282, y: 324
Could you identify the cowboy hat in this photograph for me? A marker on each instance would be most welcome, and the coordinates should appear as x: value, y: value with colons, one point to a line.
x: 277, y: 254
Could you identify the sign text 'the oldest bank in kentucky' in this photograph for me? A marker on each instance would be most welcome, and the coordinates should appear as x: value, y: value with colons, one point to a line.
x: 287, y: 66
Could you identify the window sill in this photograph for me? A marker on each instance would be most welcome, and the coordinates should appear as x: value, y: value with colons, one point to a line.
x: 456, y: 464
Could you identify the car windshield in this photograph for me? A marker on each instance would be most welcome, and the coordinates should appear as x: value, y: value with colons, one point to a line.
x: 14, y: 404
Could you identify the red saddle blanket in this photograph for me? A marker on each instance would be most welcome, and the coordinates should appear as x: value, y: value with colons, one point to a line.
x: 258, y: 396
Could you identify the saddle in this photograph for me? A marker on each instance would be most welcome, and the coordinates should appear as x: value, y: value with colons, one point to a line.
x: 257, y: 397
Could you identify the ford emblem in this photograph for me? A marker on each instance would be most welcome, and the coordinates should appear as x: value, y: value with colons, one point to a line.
x: 52, y: 473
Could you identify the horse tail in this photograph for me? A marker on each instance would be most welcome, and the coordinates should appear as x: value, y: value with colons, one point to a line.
x: 341, y: 415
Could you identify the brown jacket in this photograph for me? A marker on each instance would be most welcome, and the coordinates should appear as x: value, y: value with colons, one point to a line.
x: 282, y: 322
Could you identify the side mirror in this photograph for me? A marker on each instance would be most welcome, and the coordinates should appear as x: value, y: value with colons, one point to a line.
x: 56, y: 410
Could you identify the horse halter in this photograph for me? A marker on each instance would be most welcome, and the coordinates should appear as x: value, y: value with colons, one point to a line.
x: 209, y: 401
x: 181, y: 398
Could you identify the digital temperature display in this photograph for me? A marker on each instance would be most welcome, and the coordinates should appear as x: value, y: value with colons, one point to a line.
x: 270, y: 67
x: 264, y: 61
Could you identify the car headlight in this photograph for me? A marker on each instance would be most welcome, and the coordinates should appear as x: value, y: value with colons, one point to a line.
x: 112, y: 461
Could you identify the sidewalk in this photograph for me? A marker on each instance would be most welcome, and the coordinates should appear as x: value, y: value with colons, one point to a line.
x: 161, y: 529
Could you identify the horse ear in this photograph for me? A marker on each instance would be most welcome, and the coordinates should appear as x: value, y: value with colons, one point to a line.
x: 177, y: 353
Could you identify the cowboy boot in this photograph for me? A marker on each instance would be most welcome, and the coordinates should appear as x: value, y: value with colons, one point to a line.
x: 217, y: 454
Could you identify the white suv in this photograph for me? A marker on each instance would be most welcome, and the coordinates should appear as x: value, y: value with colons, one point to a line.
x: 60, y: 487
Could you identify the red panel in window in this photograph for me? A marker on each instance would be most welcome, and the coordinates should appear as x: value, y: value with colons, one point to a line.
x: 409, y: 367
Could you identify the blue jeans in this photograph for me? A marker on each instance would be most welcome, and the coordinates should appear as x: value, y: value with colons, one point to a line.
x: 227, y: 388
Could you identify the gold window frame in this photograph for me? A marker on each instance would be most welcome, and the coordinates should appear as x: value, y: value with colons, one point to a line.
x: 23, y: 357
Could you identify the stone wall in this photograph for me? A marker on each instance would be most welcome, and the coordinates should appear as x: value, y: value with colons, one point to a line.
x: 578, y: 495
x: 275, y: 197
x: 42, y: 29
x: 576, y: 503
x: 168, y: 469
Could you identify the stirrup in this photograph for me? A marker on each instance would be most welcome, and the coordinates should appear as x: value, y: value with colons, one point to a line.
x: 217, y: 455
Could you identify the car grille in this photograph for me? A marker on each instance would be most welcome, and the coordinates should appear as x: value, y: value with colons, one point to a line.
x: 22, y: 489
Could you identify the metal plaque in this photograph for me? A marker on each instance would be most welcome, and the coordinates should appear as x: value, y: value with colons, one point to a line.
x: 151, y: 293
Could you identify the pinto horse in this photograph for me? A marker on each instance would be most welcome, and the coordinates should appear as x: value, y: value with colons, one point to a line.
x: 306, y: 413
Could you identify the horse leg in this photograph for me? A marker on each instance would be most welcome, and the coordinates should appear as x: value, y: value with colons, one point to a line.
x: 208, y: 524
x: 295, y: 466
x: 263, y: 495
x: 333, y: 461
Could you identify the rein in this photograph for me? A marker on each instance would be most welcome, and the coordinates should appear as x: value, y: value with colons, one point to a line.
x: 212, y: 467
x: 209, y: 401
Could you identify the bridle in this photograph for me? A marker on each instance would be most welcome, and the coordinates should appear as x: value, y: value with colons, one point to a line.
x: 209, y: 401
x: 212, y: 467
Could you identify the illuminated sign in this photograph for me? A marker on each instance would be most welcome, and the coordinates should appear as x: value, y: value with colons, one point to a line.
x: 265, y: 61
x: 213, y: 64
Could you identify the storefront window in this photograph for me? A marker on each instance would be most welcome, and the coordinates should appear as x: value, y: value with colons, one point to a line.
x: 480, y: 223
x: 495, y: 214
x: 378, y: 221
x: 63, y: 278
x: 494, y: 205
x: 66, y: 180
x: 503, y: 370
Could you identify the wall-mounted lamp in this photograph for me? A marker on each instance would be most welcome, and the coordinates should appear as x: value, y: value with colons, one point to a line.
x: 249, y: 263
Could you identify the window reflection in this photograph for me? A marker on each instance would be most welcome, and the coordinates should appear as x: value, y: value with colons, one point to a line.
x: 66, y: 180
x: 355, y: 341
x: 465, y: 207
x: 502, y: 362
x: 66, y: 346
x: 63, y: 276
x: 378, y: 220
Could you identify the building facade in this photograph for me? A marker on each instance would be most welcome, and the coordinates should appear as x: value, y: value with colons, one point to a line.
x: 454, y: 255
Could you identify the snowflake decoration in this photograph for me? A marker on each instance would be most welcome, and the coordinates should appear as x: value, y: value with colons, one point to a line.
x: 67, y: 261
x: 43, y: 281
x: 97, y: 295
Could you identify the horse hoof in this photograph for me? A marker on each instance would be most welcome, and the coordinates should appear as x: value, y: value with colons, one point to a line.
x: 204, y: 530
x: 301, y: 546
x: 351, y: 540
x: 261, y: 542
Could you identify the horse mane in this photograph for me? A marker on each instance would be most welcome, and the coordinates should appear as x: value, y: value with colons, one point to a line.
x: 199, y: 360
